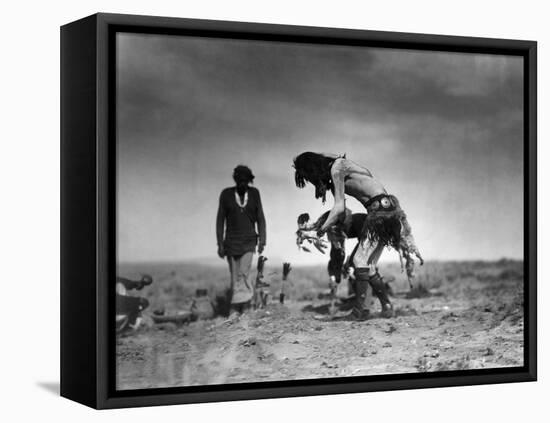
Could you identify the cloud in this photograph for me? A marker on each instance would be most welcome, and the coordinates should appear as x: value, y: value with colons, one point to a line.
x: 441, y: 130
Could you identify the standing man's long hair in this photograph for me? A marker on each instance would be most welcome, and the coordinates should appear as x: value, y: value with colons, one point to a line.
x: 315, y: 169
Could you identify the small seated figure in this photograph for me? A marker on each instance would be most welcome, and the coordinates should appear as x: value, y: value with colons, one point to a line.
x: 128, y: 307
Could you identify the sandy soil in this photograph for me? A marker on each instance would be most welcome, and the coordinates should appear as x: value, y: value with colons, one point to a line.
x: 470, y: 320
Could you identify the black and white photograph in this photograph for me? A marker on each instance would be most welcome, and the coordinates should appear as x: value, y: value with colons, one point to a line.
x: 275, y: 211
x: 294, y: 211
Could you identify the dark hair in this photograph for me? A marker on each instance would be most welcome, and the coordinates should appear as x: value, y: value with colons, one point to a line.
x: 244, y: 172
x: 315, y: 169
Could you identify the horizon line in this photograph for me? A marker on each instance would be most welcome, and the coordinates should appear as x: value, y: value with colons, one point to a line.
x: 223, y: 262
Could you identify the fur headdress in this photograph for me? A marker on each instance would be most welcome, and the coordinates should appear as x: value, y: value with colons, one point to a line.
x: 315, y: 169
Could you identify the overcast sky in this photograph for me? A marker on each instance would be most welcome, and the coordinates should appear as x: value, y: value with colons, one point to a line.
x: 442, y: 131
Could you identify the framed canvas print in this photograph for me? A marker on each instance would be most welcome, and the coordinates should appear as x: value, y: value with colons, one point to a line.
x: 254, y: 211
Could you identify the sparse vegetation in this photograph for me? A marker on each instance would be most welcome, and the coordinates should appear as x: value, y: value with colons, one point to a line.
x: 461, y: 316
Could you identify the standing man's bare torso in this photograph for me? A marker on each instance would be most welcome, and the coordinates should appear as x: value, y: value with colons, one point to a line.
x: 358, y: 181
x: 354, y: 180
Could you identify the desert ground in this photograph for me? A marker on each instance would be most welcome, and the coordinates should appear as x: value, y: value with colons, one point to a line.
x: 462, y: 315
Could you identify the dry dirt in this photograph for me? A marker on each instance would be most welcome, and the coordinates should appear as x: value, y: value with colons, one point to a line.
x: 469, y: 316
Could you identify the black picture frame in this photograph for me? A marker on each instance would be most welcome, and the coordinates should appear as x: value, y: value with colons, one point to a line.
x: 88, y: 210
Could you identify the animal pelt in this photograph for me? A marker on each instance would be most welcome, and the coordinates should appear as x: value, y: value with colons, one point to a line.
x: 315, y: 169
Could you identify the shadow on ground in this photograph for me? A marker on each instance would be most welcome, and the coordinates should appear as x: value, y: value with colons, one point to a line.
x: 325, y: 308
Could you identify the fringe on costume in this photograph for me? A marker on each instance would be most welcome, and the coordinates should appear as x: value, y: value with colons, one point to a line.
x: 408, y: 249
x: 386, y: 223
x: 384, y: 227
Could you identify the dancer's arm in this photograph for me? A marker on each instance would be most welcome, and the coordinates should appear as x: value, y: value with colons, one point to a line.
x: 338, y: 174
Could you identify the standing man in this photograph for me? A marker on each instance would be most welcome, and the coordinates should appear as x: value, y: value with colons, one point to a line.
x: 385, y: 224
x: 240, y: 213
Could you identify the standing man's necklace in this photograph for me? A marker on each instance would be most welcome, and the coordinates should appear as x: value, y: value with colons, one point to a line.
x: 238, y: 200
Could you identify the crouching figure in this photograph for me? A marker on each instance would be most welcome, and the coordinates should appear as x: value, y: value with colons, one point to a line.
x: 385, y: 224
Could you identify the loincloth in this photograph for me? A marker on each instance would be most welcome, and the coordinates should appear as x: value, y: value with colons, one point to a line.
x: 383, y: 222
x: 386, y: 223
